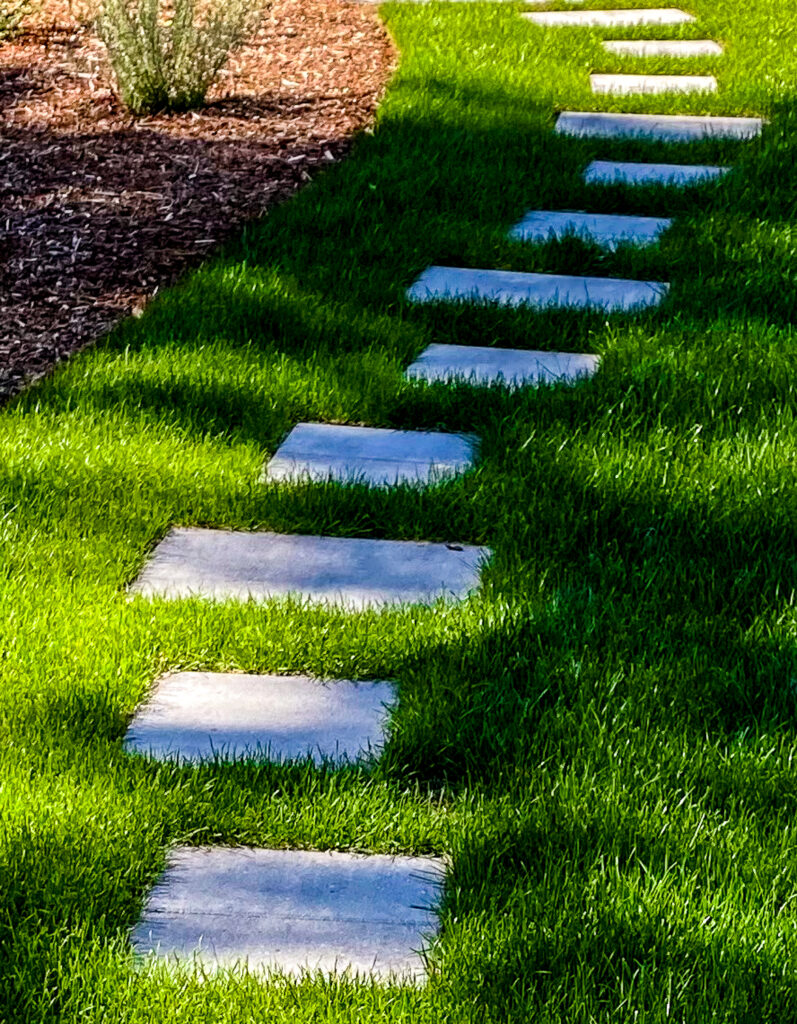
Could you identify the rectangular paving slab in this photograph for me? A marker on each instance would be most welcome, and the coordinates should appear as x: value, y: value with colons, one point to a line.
x: 323, y: 451
x: 630, y: 85
x: 663, y: 47
x: 479, y: 365
x: 663, y: 127
x: 611, y: 172
x: 195, y: 716
x: 607, y: 230
x: 539, y: 290
x: 610, y: 19
x: 293, y: 911
x: 354, y: 572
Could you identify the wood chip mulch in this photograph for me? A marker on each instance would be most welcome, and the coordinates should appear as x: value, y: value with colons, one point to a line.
x: 99, y: 210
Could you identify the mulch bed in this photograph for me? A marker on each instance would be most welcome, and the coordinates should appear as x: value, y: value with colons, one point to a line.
x: 100, y: 210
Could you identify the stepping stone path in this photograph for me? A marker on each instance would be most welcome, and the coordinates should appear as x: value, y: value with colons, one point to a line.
x: 540, y: 290
x: 662, y: 127
x: 610, y: 19
x: 607, y: 230
x: 296, y: 911
x: 321, y: 451
x: 510, y: 366
x: 293, y: 911
x: 630, y: 85
x: 355, y: 573
x: 663, y: 47
x: 610, y: 172
x: 195, y: 716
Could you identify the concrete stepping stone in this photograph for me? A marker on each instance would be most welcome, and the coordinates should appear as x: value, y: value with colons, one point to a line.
x: 664, y: 127
x: 539, y: 290
x: 196, y: 716
x: 610, y: 19
x: 654, y: 85
x: 322, y: 451
x: 355, y: 573
x: 607, y: 230
x: 479, y: 365
x: 292, y: 911
x: 663, y: 47
x: 610, y: 172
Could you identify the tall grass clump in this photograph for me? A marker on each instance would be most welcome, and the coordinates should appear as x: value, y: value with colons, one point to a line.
x: 167, y: 59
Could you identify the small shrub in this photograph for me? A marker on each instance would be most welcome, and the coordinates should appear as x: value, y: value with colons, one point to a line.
x: 169, y: 63
x: 11, y: 14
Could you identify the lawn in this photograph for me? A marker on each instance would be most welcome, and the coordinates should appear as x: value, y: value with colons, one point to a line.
x: 602, y: 740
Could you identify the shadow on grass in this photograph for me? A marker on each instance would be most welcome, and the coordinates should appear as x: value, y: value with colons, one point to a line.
x: 323, y: 278
x: 579, y: 918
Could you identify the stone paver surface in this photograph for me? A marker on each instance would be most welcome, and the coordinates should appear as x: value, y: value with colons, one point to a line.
x: 664, y: 127
x: 293, y: 911
x: 630, y: 85
x: 663, y: 47
x: 322, y: 451
x: 355, y: 573
x: 610, y: 172
x: 515, y: 367
x: 192, y: 716
x: 607, y: 230
x: 610, y: 19
x: 539, y: 290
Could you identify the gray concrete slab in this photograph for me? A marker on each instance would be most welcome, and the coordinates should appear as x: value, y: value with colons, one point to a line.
x: 663, y: 47
x: 354, y: 573
x: 611, y: 172
x: 323, y: 451
x: 610, y: 19
x: 196, y: 716
x: 663, y: 127
x: 293, y: 911
x: 514, y: 367
x: 653, y: 85
x: 607, y: 230
x: 539, y: 290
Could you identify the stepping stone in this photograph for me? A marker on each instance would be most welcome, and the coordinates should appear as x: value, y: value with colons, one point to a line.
x: 539, y: 290
x: 321, y: 451
x: 628, y: 85
x: 355, y: 573
x: 195, y: 716
x: 664, y: 127
x: 663, y: 47
x: 610, y: 19
x: 610, y: 172
x: 514, y: 367
x: 608, y: 230
x: 292, y: 911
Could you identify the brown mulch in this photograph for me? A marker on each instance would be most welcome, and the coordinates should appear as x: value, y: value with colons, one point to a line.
x: 99, y: 210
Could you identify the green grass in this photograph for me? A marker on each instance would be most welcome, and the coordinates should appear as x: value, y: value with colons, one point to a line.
x: 602, y: 741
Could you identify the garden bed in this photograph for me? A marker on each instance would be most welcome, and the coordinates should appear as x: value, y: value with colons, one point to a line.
x: 100, y: 210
